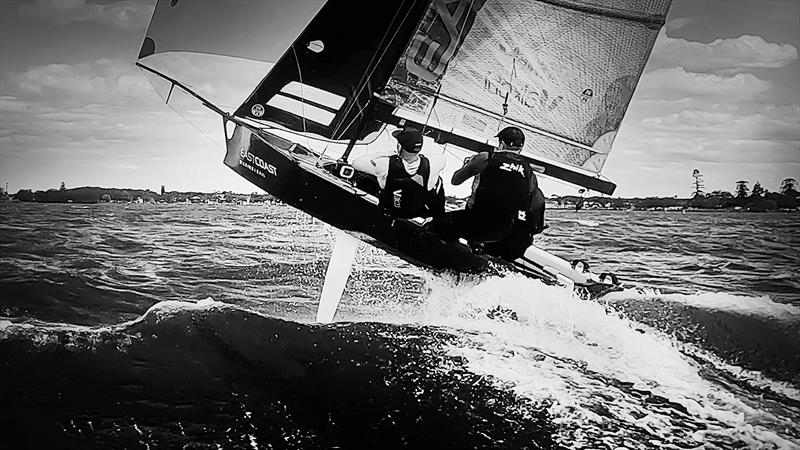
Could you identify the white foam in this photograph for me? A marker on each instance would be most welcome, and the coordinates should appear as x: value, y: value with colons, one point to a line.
x: 761, y: 306
x: 164, y: 310
x: 570, y: 350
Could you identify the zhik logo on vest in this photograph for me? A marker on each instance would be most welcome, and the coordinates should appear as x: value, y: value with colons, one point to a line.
x: 513, y: 167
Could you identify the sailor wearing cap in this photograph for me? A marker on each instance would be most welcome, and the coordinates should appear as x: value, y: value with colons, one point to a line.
x: 409, y: 181
x: 506, y: 207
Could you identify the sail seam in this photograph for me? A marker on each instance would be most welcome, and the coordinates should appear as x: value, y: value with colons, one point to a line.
x: 652, y: 21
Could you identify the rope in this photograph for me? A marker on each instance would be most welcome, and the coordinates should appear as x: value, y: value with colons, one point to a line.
x: 302, y: 96
x: 439, y: 89
x: 374, y: 67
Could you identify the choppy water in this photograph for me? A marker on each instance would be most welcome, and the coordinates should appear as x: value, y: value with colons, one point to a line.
x: 160, y: 326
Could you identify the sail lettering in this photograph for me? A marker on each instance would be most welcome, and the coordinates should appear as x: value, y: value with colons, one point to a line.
x: 432, y: 50
x: 523, y: 94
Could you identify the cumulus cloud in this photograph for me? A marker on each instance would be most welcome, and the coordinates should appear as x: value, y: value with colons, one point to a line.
x: 126, y: 14
x: 720, y: 56
x: 727, y: 125
x: 676, y: 83
x: 103, y: 81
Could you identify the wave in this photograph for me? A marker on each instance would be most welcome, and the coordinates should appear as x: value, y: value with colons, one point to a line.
x: 761, y: 306
x: 209, y: 373
x: 605, y: 373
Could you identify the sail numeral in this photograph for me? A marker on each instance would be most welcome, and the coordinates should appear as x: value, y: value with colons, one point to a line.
x: 431, y: 50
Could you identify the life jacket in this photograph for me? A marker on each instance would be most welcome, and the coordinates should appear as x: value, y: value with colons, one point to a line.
x: 504, y: 186
x: 405, y: 195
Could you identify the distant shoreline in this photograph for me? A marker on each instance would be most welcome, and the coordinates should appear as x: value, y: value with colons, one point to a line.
x: 724, y: 202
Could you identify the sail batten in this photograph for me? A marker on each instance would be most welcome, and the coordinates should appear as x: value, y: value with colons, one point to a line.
x: 351, y: 62
x: 506, y: 121
x: 564, y: 70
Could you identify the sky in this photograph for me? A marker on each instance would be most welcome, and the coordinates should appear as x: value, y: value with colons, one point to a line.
x: 720, y: 94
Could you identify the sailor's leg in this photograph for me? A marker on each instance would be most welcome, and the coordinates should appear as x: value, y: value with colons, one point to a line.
x: 449, y: 226
x: 514, y: 245
x: 536, y: 212
x: 436, y: 201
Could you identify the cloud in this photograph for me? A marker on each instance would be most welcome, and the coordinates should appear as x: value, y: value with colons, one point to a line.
x: 675, y: 25
x: 101, y: 82
x: 676, y: 83
x: 720, y: 56
x: 727, y: 125
x: 126, y: 14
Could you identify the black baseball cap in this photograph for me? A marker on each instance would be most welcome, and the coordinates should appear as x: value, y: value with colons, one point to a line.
x: 512, y: 137
x: 410, y: 139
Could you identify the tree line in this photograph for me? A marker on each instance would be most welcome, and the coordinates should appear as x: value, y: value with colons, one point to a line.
x: 757, y: 199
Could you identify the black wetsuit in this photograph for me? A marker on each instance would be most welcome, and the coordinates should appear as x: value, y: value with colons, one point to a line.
x: 499, y: 203
x: 406, y: 196
x: 521, y: 236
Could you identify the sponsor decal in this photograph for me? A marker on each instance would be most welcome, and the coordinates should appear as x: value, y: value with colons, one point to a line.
x: 257, y: 110
x: 513, y: 167
x: 397, y: 199
x: 438, y: 40
x: 255, y: 164
x: 586, y: 95
x: 522, y: 94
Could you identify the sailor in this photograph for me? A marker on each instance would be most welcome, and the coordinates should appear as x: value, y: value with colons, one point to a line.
x: 410, y: 185
x: 506, y: 207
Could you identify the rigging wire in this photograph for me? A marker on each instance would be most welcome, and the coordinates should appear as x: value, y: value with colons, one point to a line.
x: 302, y: 96
x: 374, y: 66
x: 458, y: 42
x: 203, y: 133
x: 510, y: 89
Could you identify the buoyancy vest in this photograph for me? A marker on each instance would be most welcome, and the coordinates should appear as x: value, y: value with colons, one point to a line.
x: 405, y: 195
x: 504, y: 186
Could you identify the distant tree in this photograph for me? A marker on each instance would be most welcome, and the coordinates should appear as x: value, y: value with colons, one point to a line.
x: 698, y: 183
x: 24, y: 195
x: 758, y: 191
x: 162, y: 189
x: 721, y: 194
x: 742, y: 190
x: 63, y: 187
x: 789, y: 184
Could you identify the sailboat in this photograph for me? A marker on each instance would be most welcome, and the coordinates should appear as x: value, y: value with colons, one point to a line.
x: 564, y: 71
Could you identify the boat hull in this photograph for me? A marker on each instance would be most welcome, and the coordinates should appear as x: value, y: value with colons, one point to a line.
x: 293, y: 175
x: 303, y: 179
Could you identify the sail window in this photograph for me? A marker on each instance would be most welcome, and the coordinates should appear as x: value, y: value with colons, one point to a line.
x: 314, y: 94
x: 301, y: 109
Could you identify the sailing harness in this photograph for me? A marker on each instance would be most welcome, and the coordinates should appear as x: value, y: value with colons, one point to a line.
x: 504, y: 186
x: 406, y: 195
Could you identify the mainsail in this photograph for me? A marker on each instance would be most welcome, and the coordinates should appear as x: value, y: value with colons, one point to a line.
x: 562, y: 70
